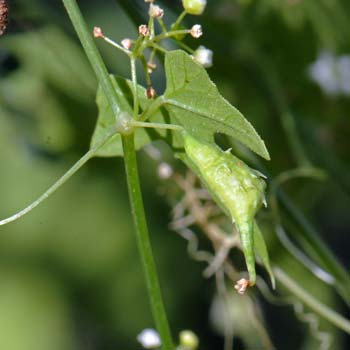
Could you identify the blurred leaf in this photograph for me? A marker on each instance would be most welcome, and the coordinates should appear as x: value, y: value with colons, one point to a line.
x: 106, y: 119
x: 50, y: 54
x: 195, y: 102
x: 33, y: 315
x: 36, y: 111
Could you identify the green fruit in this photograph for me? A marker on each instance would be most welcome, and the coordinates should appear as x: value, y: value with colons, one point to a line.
x: 194, y: 7
x: 188, y: 340
x: 238, y: 189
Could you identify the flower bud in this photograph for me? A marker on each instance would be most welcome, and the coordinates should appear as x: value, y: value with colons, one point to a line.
x: 204, y: 56
x: 127, y: 43
x: 98, y: 33
x: 150, y: 93
x: 194, y: 7
x: 241, y: 286
x: 188, y: 340
x: 155, y: 11
x: 143, y: 30
x: 151, y: 66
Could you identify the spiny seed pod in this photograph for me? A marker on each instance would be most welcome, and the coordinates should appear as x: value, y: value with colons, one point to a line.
x: 4, y: 12
x: 238, y: 189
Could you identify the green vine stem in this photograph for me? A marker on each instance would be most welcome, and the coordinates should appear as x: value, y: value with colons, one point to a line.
x: 143, y: 241
x: 135, y: 195
x: 310, y: 301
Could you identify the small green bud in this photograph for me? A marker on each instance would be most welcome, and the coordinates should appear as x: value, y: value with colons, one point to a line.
x: 194, y: 7
x: 188, y: 340
x: 238, y: 189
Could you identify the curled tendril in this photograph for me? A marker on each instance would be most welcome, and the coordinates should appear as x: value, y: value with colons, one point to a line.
x: 309, y: 318
x: 298, y: 254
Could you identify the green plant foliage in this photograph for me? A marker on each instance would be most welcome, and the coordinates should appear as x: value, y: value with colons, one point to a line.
x: 194, y: 102
x: 106, y: 119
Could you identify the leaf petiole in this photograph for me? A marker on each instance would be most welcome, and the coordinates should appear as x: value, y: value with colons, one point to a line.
x: 86, y: 157
x: 138, y: 124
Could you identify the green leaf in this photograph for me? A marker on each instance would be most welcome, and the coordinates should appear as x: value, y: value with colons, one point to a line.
x: 193, y: 100
x: 106, y: 119
x: 262, y: 252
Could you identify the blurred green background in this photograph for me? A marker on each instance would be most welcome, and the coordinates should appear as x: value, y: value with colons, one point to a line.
x: 70, y: 275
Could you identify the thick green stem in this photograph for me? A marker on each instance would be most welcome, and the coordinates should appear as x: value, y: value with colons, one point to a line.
x: 311, y: 302
x: 143, y: 241
x: 92, y: 53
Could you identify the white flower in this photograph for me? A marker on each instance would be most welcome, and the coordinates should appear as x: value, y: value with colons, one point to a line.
x: 332, y: 73
x: 149, y: 339
x: 143, y: 30
x: 196, y: 31
x: 204, y: 56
